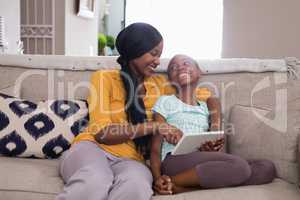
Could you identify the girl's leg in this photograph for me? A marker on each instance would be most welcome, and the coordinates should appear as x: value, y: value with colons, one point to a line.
x: 86, y: 173
x: 133, y: 180
x: 206, y: 169
x: 215, y: 170
x: 263, y: 171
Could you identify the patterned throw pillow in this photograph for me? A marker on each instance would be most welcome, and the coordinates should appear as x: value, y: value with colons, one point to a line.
x: 40, y: 130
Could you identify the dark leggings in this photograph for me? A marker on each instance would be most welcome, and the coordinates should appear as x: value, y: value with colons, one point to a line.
x: 217, y: 169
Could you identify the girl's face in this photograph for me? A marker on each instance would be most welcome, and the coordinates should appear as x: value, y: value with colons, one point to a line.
x: 183, y: 70
x: 144, y: 65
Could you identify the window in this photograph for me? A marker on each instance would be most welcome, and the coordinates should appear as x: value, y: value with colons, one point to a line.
x: 192, y: 27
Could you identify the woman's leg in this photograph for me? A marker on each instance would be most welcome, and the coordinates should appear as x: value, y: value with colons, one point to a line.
x: 133, y: 180
x: 206, y: 169
x: 86, y: 173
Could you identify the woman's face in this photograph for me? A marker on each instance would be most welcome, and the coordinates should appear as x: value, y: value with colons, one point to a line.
x: 183, y: 70
x: 144, y: 65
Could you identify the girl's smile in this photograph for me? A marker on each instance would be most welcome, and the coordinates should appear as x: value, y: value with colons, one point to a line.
x: 183, y: 70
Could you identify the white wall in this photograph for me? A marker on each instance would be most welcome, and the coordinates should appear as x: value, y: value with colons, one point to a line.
x: 80, y: 33
x: 101, y: 13
x: 10, y: 10
x: 261, y: 28
x: 116, y: 17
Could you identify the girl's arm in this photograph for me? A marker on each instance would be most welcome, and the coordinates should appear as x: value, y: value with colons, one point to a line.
x: 155, y: 160
x: 214, y: 108
x: 162, y: 183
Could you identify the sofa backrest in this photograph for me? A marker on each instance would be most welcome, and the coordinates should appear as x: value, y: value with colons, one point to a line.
x: 271, y: 91
x: 233, y: 88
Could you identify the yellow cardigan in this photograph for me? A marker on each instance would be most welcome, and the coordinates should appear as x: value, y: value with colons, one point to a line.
x: 106, y: 105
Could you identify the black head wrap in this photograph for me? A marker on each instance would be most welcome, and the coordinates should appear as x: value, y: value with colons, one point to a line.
x: 136, y: 40
x: 132, y: 42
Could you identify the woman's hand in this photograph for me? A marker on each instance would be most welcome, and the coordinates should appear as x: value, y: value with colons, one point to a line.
x: 163, y: 185
x: 170, y: 133
x: 212, y: 145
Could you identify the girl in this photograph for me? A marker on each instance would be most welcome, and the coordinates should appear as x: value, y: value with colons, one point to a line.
x: 175, y: 174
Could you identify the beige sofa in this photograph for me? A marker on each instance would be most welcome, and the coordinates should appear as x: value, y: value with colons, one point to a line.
x: 254, y: 107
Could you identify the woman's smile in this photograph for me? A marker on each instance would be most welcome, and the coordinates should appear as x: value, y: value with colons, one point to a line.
x: 152, y: 67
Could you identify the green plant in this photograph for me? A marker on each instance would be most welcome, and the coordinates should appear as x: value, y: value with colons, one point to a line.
x: 110, y: 41
x: 102, y: 41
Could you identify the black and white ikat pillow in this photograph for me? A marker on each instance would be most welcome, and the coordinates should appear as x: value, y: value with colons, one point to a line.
x: 40, y: 130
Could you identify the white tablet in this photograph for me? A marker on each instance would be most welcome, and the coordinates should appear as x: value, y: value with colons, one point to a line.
x: 191, y: 143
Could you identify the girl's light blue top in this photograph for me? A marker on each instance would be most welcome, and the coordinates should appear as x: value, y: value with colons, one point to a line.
x: 188, y: 118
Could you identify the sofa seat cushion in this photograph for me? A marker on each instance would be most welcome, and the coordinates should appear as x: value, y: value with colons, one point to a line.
x: 16, y: 195
x: 30, y: 175
x: 277, y: 190
x: 39, y: 179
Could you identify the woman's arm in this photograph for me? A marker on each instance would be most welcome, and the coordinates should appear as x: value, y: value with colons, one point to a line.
x: 101, y: 124
x: 119, y: 133
x: 104, y: 129
x: 214, y: 108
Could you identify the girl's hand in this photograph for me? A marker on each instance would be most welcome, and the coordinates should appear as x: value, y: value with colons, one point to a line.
x: 215, y: 127
x: 212, y: 145
x: 163, y: 185
x: 170, y: 133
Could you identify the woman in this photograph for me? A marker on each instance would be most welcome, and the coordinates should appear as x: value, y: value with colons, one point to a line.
x: 106, y: 161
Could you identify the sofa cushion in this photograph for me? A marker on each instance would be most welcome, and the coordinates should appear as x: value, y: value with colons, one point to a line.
x: 30, y: 175
x: 16, y: 195
x: 253, y: 139
x: 39, y: 179
x: 43, y: 130
x: 277, y: 190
